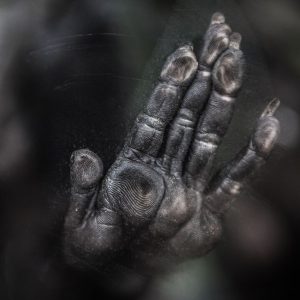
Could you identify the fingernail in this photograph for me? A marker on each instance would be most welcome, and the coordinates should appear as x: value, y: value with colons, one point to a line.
x: 235, y: 40
x: 271, y: 108
x: 217, y: 18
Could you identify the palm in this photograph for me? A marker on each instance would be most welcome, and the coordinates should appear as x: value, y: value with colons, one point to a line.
x: 157, y: 205
x: 169, y: 205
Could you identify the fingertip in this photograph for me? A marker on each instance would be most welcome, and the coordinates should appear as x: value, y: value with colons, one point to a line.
x: 271, y: 108
x: 267, y: 129
x: 180, y: 66
x: 217, y: 18
x: 188, y: 46
x: 235, y: 40
x: 266, y: 135
x: 228, y: 72
x: 86, y: 168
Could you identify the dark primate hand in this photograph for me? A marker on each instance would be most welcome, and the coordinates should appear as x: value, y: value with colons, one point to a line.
x: 157, y: 206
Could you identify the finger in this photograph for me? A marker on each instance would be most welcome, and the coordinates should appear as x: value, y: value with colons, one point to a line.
x: 86, y: 172
x: 216, y: 40
x: 90, y: 232
x: 177, y: 72
x: 230, y: 180
x: 214, y: 122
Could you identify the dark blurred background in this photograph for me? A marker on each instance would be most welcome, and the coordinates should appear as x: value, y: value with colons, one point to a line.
x: 75, y: 74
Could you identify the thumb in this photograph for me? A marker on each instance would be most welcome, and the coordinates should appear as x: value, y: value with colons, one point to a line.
x: 86, y: 171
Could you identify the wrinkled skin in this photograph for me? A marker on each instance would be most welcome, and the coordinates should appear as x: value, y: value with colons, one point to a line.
x: 158, y: 205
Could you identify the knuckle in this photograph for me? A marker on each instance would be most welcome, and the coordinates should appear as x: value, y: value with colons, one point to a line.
x: 186, y: 118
